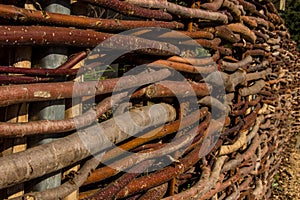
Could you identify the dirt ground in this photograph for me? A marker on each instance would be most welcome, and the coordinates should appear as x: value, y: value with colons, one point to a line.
x: 287, y: 181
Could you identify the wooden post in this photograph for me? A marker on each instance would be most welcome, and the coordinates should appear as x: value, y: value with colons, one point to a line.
x: 19, y: 113
x: 55, y: 56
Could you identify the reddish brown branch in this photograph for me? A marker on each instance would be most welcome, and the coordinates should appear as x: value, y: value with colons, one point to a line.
x: 73, y: 60
x: 38, y: 72
x: 243, y: 30
x: 131, y: 10
x: 11, y: 12
x: 58, y: 36
x: 162, y: 176
x: 51, y: 91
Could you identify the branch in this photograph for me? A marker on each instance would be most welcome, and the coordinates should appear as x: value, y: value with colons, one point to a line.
x: 182, y: 11
x: 162, y: 176
x: 131, y: 10
x: 38, y: 72
x: 213, y: 6
x: 227, y: 66
x: 233, y: 9
x: 58, y: 126
x: 254, y: 89
x: 214, y: 176
x: 178, y: 89
x: 66, y: 188
x: 52, y: 91
x: 11, y: 12
x: 196, y: 188
x: 225, y: 33
x: 244, y: 31
x: 113, y: 188
x: 58, y: 36
x: 11, y: 79
x: 155, y: 193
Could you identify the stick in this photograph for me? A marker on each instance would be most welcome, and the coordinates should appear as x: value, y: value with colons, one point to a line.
x: 53, y: 91
x: 226, y: 66
x: 58, y: 36
x: 23, y: 16
x: 182, y: 11
x: 131, y: 10
x: 213, y: 6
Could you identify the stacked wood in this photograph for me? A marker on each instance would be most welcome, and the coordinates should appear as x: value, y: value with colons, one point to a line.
x: 221, y: 124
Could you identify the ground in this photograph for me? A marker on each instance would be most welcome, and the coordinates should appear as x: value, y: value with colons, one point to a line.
x: 287, y: 181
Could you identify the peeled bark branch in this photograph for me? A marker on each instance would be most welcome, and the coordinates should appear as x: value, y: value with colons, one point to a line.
x: 182, y: 11
x: 11, y: 12
x: 44, y: 159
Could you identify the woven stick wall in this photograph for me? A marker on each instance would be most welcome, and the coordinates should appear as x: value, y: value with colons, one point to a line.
x: 226, y: 148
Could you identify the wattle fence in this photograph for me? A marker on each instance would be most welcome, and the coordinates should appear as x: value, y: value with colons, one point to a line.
x: 144, y: 99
